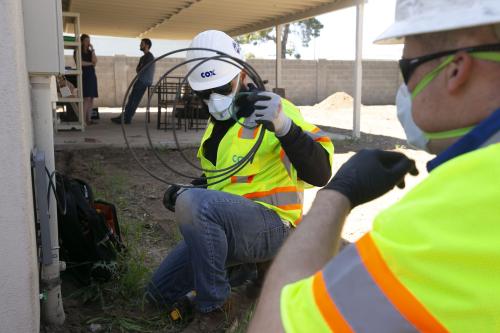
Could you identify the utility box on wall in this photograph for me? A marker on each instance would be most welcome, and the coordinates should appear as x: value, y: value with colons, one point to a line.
x: 43, y: 35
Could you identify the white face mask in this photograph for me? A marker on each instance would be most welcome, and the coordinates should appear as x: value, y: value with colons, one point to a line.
x: 220, y: 106
x: 414, y: 135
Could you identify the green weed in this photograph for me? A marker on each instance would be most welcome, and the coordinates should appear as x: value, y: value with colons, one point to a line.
x: 96, y: 168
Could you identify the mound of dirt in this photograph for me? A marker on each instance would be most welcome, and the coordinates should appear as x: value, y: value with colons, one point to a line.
x: 336, y: 101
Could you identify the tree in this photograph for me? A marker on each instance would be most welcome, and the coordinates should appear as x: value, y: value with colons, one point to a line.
x: 306, y: 30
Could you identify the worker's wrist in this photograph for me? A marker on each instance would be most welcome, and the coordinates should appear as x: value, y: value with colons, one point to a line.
x: 291, y: 136
x: 286, y: 124
x: 336, y: 198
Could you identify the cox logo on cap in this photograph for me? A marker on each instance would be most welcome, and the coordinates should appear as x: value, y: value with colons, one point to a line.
x: 208, y: 74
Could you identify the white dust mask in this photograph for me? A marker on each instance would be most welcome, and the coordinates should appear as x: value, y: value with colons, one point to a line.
x: 220, y: 106
x: 414, y: 134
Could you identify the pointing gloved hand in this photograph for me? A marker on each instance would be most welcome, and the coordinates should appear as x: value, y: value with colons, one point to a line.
x: 170, y: 197
x: 371, y: 173
x: 269, y: 112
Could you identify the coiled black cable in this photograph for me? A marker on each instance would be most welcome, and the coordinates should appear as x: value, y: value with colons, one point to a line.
x: 220, y: 174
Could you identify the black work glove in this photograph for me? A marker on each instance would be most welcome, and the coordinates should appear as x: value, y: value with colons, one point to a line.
x: 170, y: 197
x: 200, y: 181
x: 371, y: 173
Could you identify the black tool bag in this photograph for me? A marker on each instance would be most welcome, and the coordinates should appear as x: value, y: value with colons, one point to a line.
x: 89, y: 234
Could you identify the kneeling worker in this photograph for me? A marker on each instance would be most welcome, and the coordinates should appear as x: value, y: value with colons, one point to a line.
x: 244, y: 219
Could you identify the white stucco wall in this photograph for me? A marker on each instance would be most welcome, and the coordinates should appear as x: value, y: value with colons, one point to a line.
x: 19, y: 305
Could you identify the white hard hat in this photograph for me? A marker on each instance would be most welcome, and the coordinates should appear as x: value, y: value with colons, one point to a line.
x: 213, y: 73
x: 414, y: 17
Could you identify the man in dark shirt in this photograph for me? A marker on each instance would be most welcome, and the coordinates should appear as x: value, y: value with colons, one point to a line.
x: 144, y: 80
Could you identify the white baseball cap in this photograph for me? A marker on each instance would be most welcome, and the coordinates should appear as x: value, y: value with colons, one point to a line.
x: 213, y: 73
x: 414, y: 17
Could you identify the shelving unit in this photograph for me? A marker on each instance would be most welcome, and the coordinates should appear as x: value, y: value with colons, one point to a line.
x: 71, y: 22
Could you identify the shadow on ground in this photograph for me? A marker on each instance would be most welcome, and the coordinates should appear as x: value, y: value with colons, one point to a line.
x: 367, y: 140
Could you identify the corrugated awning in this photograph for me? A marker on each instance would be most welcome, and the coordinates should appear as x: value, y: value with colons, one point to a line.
x: 183, y: 19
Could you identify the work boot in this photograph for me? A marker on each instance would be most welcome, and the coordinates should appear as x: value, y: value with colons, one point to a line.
x: 210, y: 322
x: 224, y: 319
x: 182, y: 309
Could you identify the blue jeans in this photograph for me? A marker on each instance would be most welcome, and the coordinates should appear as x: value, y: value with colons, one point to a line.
x: 220, y: 231
x: 134, y: 99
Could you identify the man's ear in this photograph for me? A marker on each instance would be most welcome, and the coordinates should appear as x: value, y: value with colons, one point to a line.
x: 459, y: 71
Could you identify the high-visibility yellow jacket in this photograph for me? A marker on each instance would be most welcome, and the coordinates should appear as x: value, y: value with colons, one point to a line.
x: 270, y: 179
x: 430, y: 264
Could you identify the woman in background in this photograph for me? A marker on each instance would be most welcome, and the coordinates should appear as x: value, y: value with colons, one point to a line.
x: 89, y: 79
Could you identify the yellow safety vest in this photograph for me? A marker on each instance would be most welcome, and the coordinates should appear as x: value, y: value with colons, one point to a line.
x: 270, y: 179
x: 430, y: 264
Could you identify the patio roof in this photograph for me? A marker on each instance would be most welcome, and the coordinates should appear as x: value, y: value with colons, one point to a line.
x: 183, y: 19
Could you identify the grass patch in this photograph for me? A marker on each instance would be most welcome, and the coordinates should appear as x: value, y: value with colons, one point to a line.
x: 134, y: 273
x: 96, y: 168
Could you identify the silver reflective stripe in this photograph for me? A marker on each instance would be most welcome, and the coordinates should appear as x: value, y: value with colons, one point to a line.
x: 248, y: 133
x: 280, y: 199
x: 492, y: 140
x: 288, y: 165
x: 360, y: 301
x: 239, y: 179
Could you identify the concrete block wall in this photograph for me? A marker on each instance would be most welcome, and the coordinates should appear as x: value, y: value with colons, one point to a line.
x: 306, y: 82
x: 299, y: 81
x: 107, y: 81
x: 381, y: 80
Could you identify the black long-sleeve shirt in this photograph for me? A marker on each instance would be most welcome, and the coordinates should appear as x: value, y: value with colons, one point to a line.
x: 308, y: 157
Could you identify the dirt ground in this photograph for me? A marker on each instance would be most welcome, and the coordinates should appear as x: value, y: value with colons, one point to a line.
x: 150, y: 228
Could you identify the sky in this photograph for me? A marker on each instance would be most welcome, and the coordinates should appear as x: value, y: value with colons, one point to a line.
x: 336, y: 42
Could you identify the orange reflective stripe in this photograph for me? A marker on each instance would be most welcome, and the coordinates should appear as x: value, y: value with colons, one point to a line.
x: 318, y: 135
x: 244, y: 133
x: 327, y: 307
x: 234, y: 179
x: 290, y: 207
x: 399, y: 295
x: 274, y: 191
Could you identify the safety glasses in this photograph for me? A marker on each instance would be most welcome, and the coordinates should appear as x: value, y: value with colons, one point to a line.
x: 408, y: 66
x: 222, y: 90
